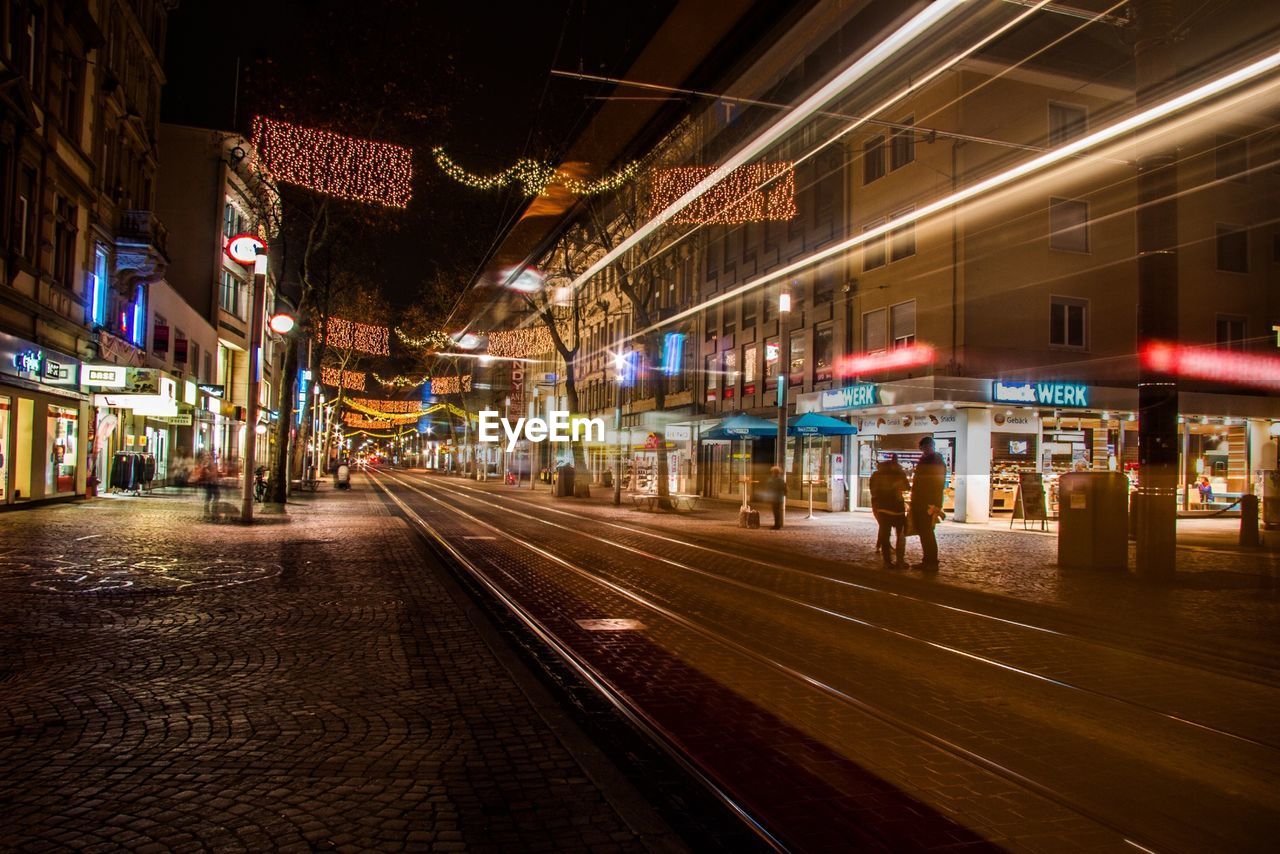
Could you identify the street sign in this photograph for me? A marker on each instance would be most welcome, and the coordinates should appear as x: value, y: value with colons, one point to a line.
x: 245, y: 248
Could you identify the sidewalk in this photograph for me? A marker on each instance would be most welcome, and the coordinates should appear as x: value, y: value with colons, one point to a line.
x: 305, y: 682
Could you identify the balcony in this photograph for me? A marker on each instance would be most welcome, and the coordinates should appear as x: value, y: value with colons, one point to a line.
x: 141, y: 248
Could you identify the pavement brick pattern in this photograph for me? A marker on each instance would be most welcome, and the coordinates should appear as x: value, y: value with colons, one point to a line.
x: 302, y: 683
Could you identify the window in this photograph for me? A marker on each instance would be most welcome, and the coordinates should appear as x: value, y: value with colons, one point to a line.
x: 902, y: 145
x: 208, y: 368
x: 31, y: 50
x: 823, y: 350
x: 873, y: 249
x: 229, y: 221
x: 27, y: 214
x: 771, y: 293
x: 750, y: 368
x: 902, y: 324
x: 730, y: 317
x: 1231, y: 159
x: 824, y: 287
x: 902, y: 240
x: 713, y: 376
x: 730, y: 373
x: 874, y: 331
x: 159, y: 334
x: 100, y: 286
x: 1066, y: 122
x: 137, y: 320
x: 71, y: 99
x: 709, y: 321
x: 229, y: 295
x: 771, y: 355
x: 64, y: 241
x: 1230, y: 334
x: 1069, y: 225
x: 193, y: 360
x: 1233, y: 249
x: 873, y: 159
x: 1068, y: 322
x: 795, y: 376
x: 749, y: 302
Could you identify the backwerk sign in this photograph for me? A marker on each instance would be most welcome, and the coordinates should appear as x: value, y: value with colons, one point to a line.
x: 1040, y: 394
x: 851, y: 397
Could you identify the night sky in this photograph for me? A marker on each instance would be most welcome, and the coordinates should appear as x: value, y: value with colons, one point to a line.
x: 472, y: 77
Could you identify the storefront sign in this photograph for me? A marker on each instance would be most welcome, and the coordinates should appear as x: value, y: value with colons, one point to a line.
x: 851, y: 397
x: 211, y: 390
x: 105, y: 376
x: 21, y: 358
x: 679, y: 433
x: 1041, y: 394
x: 181, y: 420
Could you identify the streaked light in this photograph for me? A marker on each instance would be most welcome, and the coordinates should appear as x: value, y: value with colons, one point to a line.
x: 1205, y: 363
x: 784, y: 303
x: 913, y: 356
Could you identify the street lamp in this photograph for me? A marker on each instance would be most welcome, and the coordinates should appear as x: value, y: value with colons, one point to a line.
x: 784, y: 373
x: 620, y: 367
x: 255, y: 379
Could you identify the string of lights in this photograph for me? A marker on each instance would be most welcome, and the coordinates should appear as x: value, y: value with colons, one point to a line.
x: 338, y: 378
x: 400, y: 380
x: 359, y: 170
x: 533, y: 177
x: 387, y: 405
x: 365, y: 337
x: 520, y: 343
x: 433, y: 340
x: 356, y: 420
x: 451, y: 385
x: 741, y: 197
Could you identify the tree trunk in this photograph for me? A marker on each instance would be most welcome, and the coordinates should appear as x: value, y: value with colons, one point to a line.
x: 653, y: 351
x: 279, y: 487
x: 581, y: 483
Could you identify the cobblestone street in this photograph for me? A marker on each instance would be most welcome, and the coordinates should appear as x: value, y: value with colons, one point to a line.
x: 303, y: 683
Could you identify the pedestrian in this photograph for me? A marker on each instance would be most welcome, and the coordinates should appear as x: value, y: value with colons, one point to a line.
x: 927, y: 484
x: 206, y: 474
x: 1206, y: 491
x: 888, y: 483
x: 775, y: 489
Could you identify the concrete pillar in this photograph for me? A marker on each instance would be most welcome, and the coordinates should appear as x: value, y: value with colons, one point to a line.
x: 972, y: 477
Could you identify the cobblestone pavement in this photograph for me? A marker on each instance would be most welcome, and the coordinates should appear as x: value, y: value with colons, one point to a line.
x: 1029, y: 719
x: 303, y: 683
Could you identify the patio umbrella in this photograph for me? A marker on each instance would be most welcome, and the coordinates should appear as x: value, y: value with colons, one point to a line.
x: 813, y: 424
x: 740, y: 425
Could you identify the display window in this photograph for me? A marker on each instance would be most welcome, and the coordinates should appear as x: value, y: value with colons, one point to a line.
x: 60, y: 446
x: 5, y: 404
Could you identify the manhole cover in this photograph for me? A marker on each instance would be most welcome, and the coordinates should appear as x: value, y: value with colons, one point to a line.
x: 614, y: 624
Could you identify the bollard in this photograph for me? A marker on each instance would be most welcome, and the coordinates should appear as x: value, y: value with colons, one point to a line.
x: 1249, y: 521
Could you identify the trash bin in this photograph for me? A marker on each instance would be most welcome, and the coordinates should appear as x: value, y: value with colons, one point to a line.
x: 836, y: 500
x: 564, y: 481
x: 606, y: 477
x: 1093, y: 520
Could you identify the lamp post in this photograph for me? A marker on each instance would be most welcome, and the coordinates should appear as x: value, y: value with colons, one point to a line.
x: 620, y: 367
x: 255, y: 381
x: 784, y: 374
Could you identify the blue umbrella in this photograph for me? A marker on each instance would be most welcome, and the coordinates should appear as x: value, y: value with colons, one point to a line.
x: 740, y: 425
x: 813, y: 424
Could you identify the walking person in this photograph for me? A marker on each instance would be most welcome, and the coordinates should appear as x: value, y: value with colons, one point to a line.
x: 888, y: 483
x: 776, y: 490
x: 927, y: 484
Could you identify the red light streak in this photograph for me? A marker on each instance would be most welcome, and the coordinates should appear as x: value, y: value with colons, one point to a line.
x: 1203, y: 363
x: 911, y: 356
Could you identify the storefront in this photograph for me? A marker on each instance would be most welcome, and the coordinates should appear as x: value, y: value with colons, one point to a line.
x: 136, y: 409
x: 996, y: 435
x: 43, y: 417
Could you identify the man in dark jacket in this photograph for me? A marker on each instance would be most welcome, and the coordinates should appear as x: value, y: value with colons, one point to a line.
x: 888, y: 482
x: 926, y: 500
x: 775, y: 491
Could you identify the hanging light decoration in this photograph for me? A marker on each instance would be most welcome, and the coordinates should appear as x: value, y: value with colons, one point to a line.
x: 433, y: 340
x: 365, y: 337
x: 520, y: 343
x: 533, y: 177
x: 400, y: 380
x: 451, y: 385
x: 386, y: 405
x: 338, y: 378
x: 357, y: 421
x: 757, y: 192
x: 359, y: 170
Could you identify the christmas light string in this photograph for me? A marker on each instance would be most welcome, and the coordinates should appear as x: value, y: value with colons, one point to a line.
x: 360, y: 170
x: 741, y: 197
x: 356, y: 420
x: 338, y: 378
x: 520, y: 343
x: 534, y: 177
x: 433, y: 340
x: 400, y: 380
x: 365, y: 337
x: 451, y: 385
x: 386, y: 405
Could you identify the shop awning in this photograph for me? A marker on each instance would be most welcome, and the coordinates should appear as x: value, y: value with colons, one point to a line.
x: 813, y: 424
x: 742, y: 426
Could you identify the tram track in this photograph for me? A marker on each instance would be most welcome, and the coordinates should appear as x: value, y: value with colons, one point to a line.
x: 974, y: 757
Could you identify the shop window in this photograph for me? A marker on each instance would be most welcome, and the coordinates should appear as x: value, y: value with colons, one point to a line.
x: 5, y: 413
x: 1066, y: 122
x: 60, y: 446
x: 1230, y: 333
x: 64, y: 241
x: 795, y: 375
x: 873, y: 252
x: 902, y: 240
x: 1231, y: 160
x: 1069, y: 225
x: 730, y: 373
x: 874, y: 331
x: 750, y: 368
x: 1233, y: 249
x: 872, y: 159
x: 713, y: 377
x: 771, y: 355
x: 229, y: 297
x: 902, y: 323
x: 1068, y: 322
x: 823, y: 351
x: 902, y: 145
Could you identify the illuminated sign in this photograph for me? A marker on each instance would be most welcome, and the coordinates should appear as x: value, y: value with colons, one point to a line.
x: 105, y: 376
x: 28, y: 361
x: 1040, y: 394
x: 851, y: 397
x: 244, y: 248
x: 672, y: 353
x: 211, y: 390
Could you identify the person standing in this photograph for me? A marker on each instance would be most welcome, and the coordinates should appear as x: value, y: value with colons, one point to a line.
x: 888, y: 482
x: 776, y: 490
x: 927, y: 484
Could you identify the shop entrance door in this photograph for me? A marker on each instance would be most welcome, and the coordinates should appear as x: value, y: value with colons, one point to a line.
x: 4, y: 449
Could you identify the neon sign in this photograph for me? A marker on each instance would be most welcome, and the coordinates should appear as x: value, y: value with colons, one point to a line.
x: 1043, y: 394
x: 851, y: 397
x: 28, y: 361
